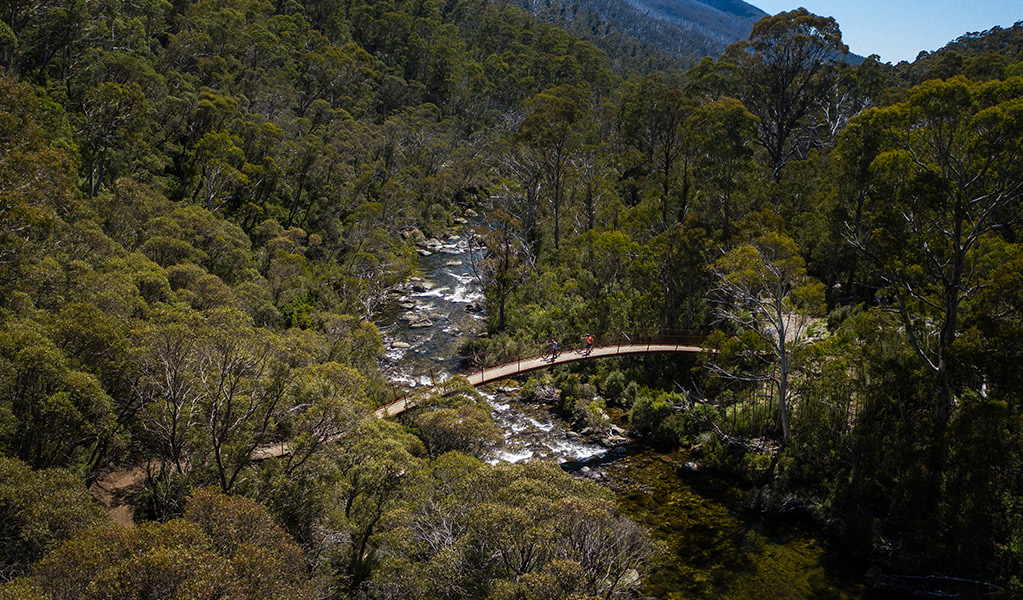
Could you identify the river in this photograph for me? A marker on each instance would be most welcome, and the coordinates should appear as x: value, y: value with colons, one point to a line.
x: 714, y: 546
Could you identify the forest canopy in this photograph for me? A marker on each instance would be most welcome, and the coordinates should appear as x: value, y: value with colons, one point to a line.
x: 204, y: 204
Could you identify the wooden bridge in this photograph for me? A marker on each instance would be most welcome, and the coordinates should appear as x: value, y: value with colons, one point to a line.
x: 624, y: 345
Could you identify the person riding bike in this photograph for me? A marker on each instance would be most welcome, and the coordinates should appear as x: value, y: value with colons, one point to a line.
x: 589, y: 343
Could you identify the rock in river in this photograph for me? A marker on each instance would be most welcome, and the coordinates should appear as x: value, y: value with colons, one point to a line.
x: 416, y: 319
x: 613, y: 441
x: 419, y: 286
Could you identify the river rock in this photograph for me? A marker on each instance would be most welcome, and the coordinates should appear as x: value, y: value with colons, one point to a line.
x: 613, y: 441
x: 416, y: 319
x: 471, y: 213
x: 423, y: 252
x: 420, y: 322
x: 618, y: 452
x: 406, y: 303
x: 476, y: 306
x: 419, y: 286
x: 400, y: 345
x: 691, y: 467
x: 433, y: 243
x: 453, y: 263
x: 572, y: 435
x: 460, y: 220
x: 447, y: 250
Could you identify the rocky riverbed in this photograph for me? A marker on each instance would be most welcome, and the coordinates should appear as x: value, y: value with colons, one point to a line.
x: 714, y: 545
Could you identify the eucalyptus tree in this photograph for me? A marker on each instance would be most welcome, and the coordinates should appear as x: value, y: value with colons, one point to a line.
x: 40, y: 509
x: 503, y: 266
x: 655, y: 120
x: 764, y: 293
x: 223, y: 547
x: 555, y: 129
x: 785, y: 69
x: 723, y: 134
x: 947, y: 173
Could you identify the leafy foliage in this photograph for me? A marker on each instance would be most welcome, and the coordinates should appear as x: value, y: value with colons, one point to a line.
x: 204, y: 204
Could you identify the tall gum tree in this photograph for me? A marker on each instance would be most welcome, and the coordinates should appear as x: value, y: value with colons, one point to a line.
x: 723, y: 133
x: 555, y: 128
x: 948, y: 174
x: 763, y: 288
x: 786, y: 68
x: 654, y: 118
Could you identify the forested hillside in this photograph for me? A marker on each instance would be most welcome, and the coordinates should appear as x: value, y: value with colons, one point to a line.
x: 634, y: 32
x: 203, y: 204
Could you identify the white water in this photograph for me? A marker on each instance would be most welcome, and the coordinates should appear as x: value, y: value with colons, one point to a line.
x: 531, y: 431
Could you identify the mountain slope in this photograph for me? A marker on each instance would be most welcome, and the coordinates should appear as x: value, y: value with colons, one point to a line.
x: 724, y: 21
x: 685, y: 29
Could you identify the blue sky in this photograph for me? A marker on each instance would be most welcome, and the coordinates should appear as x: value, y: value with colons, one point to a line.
x: 900, y: 29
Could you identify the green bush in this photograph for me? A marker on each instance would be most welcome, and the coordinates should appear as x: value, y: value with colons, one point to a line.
x: 614, y: 385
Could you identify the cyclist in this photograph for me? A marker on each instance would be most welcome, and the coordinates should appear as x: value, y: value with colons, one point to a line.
x: 589, y: 343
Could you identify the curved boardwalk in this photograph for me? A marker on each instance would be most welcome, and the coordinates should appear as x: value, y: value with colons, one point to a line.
x: 526, y: 365
x: 531, y: 364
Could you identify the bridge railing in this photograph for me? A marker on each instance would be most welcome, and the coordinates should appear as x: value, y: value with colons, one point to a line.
x: 519, y: 351
x: 575, y: 342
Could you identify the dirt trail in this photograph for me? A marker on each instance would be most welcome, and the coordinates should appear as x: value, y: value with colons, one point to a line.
x: 115, y: 491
